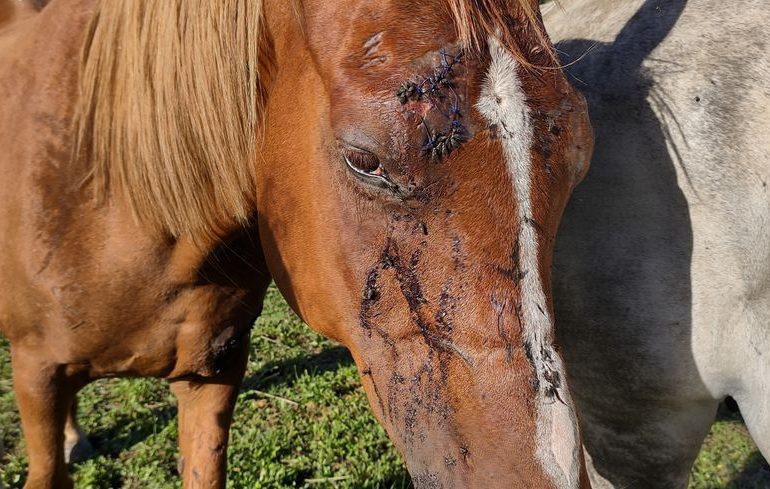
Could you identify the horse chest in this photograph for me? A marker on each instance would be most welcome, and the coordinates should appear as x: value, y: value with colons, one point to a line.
x: 193, y: 332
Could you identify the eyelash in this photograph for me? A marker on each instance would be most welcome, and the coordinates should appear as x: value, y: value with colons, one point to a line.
x: 363, y: 162
x: 367, y: 168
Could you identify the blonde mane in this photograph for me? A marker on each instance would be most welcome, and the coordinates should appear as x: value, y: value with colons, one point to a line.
x: 172, y: 95
x: 171, y: 98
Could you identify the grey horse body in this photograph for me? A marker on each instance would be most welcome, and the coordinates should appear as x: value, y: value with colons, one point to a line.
x: 662, y: 266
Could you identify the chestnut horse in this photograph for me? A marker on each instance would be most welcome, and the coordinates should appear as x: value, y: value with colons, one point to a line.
x: 398, y: 168
x: 662, y: 267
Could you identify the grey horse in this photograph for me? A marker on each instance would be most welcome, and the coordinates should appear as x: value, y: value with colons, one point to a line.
x: 662, y: 267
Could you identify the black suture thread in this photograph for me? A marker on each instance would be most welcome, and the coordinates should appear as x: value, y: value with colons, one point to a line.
x: 438, y: 144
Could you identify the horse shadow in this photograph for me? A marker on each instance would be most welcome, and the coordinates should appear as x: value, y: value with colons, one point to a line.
x: 111, y: 440
x: 283, y: 372
x: 754, y: 475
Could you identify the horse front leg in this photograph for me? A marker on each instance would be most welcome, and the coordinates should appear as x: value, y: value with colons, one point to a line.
x: 205, y: 412
x: 44, y: 393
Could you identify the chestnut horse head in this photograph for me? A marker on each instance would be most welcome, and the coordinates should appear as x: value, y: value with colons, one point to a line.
x: 416, y: 163
x: 406, y: 164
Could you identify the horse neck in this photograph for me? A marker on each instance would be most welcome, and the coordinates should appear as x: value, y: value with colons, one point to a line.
x: 47, y: 44
x: 55, y: 24
x: 12, y: 11
x: 38, y: 105
x: 38, y: 76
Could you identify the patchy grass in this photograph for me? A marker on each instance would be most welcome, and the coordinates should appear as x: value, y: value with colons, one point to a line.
x: 302, y: 421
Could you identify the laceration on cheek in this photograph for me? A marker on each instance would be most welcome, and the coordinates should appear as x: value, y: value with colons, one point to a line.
x: 437, y: 92
x: 407, y: 337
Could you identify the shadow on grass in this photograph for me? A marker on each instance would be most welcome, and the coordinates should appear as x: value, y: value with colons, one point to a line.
x: 286, y: 371
x: 398, y: 480
x: 130, y: 429
x: 754, y: 475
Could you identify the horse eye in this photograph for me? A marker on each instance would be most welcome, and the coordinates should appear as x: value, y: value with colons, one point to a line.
x: 367, y: 168
x: 363, y: 162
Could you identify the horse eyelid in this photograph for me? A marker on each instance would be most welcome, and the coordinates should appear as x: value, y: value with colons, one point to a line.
x: 380, y: 180
x: 364, y: 173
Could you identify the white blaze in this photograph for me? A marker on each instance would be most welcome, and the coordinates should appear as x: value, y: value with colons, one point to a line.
x: 503, y: 104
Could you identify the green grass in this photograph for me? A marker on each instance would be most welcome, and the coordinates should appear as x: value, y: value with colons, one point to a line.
x: 302, y: 420
x: 729, y: 459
